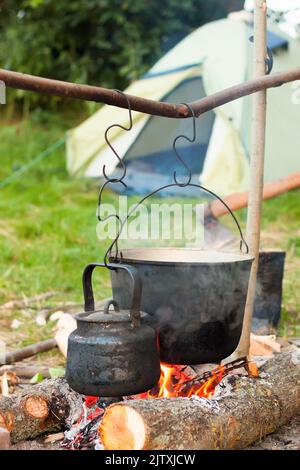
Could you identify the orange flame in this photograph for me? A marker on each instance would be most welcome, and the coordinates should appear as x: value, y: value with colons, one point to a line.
x: 207, y: 389
x: 174, y: 382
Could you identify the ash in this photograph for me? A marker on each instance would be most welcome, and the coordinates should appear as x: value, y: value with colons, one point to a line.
x: 209, y: 403
x: 84, y: 435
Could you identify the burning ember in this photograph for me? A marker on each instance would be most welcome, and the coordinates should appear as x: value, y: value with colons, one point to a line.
x: 175, y: 381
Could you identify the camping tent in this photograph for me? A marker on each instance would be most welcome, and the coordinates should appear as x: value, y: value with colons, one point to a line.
x: 276, y: 5
x: 213, y: 57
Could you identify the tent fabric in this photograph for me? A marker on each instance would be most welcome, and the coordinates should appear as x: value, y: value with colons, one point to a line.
x: 276, y: 41
x: 213, y: 57
x: 225, y: 156
x: 276, y: 5
x: 87, y: 150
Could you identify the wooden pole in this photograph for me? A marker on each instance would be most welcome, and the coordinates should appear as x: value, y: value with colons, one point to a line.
x: 256, y: 168
x: 240, y: 200
x: 156, y: 108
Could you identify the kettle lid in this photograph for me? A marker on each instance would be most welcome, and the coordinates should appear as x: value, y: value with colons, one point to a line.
x: 105, y: 315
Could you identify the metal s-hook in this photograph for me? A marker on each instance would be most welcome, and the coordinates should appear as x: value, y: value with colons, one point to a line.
x: 109, y: 180
x: 118, y: 180
x: 189, y: 139
x: 269, y: 61
x: 116, y: 257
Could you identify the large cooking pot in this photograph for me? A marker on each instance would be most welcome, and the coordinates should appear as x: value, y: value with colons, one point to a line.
x: 195, y: 299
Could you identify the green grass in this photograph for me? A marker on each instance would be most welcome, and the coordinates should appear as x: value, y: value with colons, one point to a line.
x: 281, y: 230
x: 48, y: 227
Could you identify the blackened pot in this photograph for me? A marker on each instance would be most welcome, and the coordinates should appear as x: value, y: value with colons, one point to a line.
x: 112, y: 353
x: 195, y: 300
x: 111, y: 359
x: 268, y: 299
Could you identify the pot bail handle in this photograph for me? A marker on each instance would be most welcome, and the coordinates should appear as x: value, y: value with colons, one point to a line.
x: 89, y: 302
x: 244, y: 248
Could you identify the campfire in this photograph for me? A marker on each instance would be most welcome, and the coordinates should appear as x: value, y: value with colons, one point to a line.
x: 179, y: 381
x: 175, y: 381
x: 224, y: 408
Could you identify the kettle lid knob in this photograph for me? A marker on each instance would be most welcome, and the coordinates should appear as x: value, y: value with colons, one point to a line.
x: 108, y: 304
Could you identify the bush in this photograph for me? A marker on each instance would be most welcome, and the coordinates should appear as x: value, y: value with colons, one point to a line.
x: 107, y: 42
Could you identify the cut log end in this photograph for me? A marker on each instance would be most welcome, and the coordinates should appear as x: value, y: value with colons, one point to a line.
x: 4, y: 439
x: 45, y: 407
x: 123, y: 428
x: 36, y: 407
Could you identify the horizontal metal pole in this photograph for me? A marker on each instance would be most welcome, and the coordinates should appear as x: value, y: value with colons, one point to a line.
x: 156, y: 108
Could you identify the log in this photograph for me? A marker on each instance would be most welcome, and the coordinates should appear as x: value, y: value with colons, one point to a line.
x: 4, y: 439
x: 28, y: 351
x: 238, y: 201
x: 26, y: 372
x: 46, y: 407
x: 233, y: 419
x: 14, y: 304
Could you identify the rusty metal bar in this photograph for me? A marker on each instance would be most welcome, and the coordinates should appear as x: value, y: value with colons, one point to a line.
x: 156, y: 108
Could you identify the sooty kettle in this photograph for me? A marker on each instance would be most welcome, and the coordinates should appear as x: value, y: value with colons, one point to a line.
x: 112, y: 353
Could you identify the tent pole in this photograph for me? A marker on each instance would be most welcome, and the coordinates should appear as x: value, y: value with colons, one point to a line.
x: 256, y: 168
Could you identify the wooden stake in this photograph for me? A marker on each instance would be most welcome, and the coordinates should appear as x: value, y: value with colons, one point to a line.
x: 256, y: 169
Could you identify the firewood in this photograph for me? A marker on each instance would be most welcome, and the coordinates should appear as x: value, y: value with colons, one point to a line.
x: 14, y: 304
x: 64, y: 327
x: 59, y: 436
x: 263, y: 345
x: 29, y: 351
x: 26, y: 372
x: 4, y: 385
x: 234, y: 419
x: 4, y: 439
x: 46, y: 407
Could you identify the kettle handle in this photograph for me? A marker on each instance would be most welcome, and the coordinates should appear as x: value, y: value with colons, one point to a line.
x: 89, y: 303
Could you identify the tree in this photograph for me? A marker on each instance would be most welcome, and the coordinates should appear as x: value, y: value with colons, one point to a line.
x: 107, y: 42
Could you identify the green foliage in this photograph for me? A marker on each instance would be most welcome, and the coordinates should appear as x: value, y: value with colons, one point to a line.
x: 37, y: 378
x: 107, y: 42
x: 56, y: 372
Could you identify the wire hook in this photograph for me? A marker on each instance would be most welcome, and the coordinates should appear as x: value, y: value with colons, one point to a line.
x: 118, y: 180
x: 189, y: 139
x: 109, y: 180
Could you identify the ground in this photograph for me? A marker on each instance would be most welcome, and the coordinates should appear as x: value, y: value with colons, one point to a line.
x: 286, y: 438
